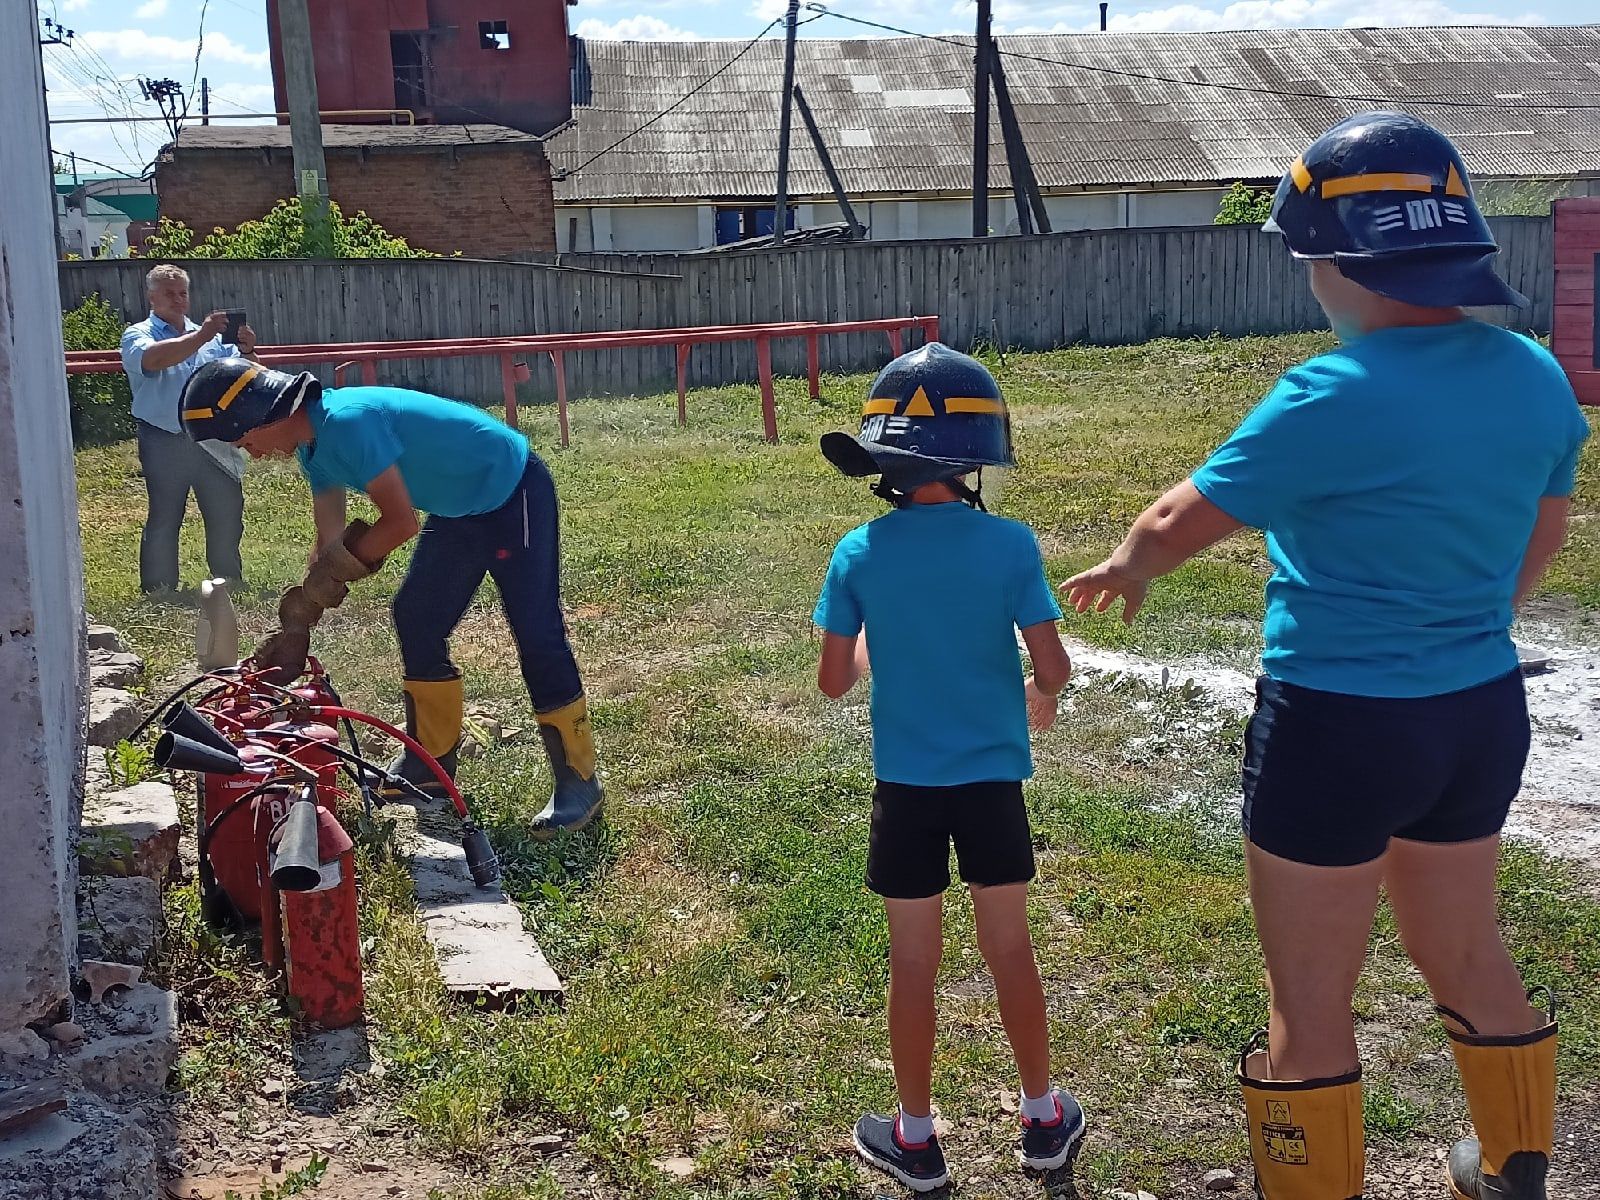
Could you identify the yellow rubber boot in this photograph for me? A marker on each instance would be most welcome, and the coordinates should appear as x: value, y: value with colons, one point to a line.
x: 433, y: 717
x: 1510, y: 1084
x: 1306, y: 1138
x: 569, y: 743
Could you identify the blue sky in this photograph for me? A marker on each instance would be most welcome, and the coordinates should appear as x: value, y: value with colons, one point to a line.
x: 119, y: 40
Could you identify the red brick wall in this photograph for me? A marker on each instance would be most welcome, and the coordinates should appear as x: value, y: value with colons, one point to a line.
x: 1573, y: 334
x: 484, y: 202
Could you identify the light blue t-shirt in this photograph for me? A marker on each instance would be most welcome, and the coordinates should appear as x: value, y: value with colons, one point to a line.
x: 941, y: 590
x: 1398, y: 479
x: 456, y: 460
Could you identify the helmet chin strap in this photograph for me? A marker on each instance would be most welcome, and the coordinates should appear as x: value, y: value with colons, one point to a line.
x: 885, y: 490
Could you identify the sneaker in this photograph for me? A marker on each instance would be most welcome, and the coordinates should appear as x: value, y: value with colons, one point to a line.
x: 1046, y: 1145
x: 920, y: 1165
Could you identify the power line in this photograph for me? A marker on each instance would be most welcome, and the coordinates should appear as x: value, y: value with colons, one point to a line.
x: 199, y: 45
x: 699, y: 87
x: 1433, y: 101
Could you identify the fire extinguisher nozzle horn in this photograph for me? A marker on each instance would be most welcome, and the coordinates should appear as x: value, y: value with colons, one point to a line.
x: 180, y: 753
x: 184, y: 720
x: 482, y: 862
x: 296, y: 864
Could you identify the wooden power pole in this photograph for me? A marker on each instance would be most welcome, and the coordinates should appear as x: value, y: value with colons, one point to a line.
x: 780, y: 215
x: 305, y: 127
x: 980, y: 123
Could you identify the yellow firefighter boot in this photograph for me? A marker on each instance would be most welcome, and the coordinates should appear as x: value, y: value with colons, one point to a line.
x: 433, y: 717
x: 569, y: 742
x: 1510, y: 1084
x: 1306, y: 1138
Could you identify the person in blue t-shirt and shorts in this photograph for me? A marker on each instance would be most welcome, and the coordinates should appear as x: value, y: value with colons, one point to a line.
x: 1414, y: 485
x: 491, y: 508
x: 940, y: 588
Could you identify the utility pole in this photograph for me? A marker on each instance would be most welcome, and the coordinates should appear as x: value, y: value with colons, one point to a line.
x: 305, y: 128
x: 1031, y: 214
x: 780, y: 214
x: 980, y: 123
x: 205, y: 100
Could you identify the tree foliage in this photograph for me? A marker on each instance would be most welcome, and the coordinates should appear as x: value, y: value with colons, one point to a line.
x: 1245, y: 205
x: 101, y: 406
x: 281, y: 233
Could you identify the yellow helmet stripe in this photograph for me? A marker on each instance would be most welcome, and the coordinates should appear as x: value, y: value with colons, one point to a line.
x: 198, y: 414
x: 888, y: 406
x: 1377, y: 181
x: 1300, y: 175
x: 237, y: 386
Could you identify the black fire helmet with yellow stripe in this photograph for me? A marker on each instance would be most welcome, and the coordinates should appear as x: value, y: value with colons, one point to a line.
x: 1386, y: 197
x: 228, y: 397
x: 931, y: 416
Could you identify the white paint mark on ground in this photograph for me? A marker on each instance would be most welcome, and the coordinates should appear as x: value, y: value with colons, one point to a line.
x: 1559, y: 807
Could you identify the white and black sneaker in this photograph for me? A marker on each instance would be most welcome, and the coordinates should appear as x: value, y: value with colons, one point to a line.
x: 1046, y: 1145
x: 918, y: 1165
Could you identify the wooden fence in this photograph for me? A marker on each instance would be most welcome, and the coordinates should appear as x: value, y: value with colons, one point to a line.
x: 1106, y: 287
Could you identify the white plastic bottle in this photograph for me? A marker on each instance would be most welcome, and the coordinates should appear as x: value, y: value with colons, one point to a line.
x: 216, y: 641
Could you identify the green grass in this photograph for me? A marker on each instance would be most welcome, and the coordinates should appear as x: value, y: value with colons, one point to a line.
x: 725, y: 964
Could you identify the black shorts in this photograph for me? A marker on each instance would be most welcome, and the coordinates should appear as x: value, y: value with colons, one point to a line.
x: 908, y: 853
x: 1330, y: 778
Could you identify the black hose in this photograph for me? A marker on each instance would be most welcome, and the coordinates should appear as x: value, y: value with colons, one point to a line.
x: 166, y: 704
x: 382, y: 774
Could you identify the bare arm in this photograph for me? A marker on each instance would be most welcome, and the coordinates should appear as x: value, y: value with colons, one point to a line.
x: 1549, y: 531
x: 158, y: 356
x: 1051, y: 670
x: 844, y: 660
x: 328, y: 510
x: 397, y: 519
x: 1167, y: 534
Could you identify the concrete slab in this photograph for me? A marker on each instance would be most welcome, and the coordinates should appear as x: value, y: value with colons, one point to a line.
x: 113, y: 715
x: 141, y: 1049
x: 478, y: 934
x: 132, y: 831
x: 118, y: 918
x: 103, y: 637
x: 108, y: 669
x: 85, y: 1153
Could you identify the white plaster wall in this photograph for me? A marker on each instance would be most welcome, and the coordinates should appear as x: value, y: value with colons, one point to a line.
x: 41, y: 581
x: 654, y: 228
x: 1196, y: 206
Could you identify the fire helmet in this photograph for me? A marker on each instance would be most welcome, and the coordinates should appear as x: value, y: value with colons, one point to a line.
x: 228, y: 397
x: 1386, y: 197
x: 931, y: 416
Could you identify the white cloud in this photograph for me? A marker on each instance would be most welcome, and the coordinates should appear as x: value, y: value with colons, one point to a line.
x: 74, y: 5
x: 1324, y: 14
x: 639, y: 28
x: 150, y: 9
x: 137, y: 44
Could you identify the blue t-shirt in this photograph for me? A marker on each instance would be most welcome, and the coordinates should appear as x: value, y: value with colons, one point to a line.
x: 1398, y: 479
x: 941, y: 590
x: 456, y: 460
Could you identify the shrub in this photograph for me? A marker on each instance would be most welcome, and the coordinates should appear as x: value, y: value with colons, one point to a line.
x: 100, y: 406
x: 1245, y: 205
x: 281, y: 233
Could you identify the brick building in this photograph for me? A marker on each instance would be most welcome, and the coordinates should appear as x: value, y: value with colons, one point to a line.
x: 501, y: 61
x: 482, y: 190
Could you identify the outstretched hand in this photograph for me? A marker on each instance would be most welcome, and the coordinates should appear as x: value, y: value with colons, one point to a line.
x: 1099, y: 588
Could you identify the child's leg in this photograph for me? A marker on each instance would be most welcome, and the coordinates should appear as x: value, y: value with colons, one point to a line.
x: 1002, y: 918
x: 916, y: 942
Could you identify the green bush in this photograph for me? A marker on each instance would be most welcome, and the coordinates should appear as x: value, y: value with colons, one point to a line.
x: 1245, y: 205
x: 100, y: 406
x: 281, y: 233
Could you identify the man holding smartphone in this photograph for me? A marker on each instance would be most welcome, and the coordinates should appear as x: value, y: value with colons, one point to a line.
x: 158, y: 355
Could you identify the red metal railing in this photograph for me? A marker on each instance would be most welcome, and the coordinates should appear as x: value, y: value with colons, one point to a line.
x: 367, y: 355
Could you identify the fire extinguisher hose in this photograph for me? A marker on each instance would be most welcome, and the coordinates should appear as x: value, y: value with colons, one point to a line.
x: 411, y: 743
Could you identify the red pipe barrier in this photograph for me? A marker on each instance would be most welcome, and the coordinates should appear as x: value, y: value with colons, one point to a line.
x: 367, y: 355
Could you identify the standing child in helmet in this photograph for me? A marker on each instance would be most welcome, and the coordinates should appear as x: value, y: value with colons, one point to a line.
x: 1414, y: 485
x: 491, y: 508
x: 939, y: 588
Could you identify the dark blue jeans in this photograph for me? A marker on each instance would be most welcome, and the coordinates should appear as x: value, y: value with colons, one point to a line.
x: 519, y: 546
x: 173, y: 465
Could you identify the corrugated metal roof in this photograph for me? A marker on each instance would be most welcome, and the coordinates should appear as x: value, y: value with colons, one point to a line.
x: 346, y: 137
x: 908, y: 102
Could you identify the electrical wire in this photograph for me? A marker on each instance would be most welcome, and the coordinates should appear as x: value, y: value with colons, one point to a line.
x: 1147, y: 77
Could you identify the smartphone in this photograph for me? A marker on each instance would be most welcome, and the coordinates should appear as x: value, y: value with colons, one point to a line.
x: 235, y: 323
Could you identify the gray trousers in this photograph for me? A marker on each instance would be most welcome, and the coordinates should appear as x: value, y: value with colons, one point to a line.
x: 173, y: 465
